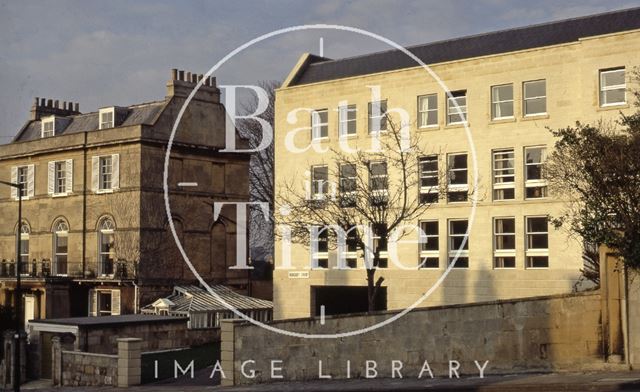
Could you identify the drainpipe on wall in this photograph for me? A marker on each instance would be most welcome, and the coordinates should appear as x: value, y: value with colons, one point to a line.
x: 625, y: 319
x: 136, y: 306
x: 84, y: 206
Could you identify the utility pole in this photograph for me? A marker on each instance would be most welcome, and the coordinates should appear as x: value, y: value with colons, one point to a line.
x: 18, y: 291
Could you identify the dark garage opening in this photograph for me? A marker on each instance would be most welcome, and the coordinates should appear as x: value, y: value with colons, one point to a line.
x: 345, y: 299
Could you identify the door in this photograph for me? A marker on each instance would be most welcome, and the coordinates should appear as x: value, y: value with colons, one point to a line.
x: 45, y: 355
x: 29, y: 310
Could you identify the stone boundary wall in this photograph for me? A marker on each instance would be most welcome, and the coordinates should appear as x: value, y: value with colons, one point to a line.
x: 78, y: 368
x: 559, y: 332
x: 82, y: 369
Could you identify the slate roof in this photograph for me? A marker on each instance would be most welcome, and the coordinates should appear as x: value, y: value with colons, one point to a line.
x: 534, y: 36
x: 195, y: 299
x: 136, y: 115
x: 127, y: 319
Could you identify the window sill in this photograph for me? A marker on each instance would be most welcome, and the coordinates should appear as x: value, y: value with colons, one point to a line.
x: 504, y: 268
x: 101, y: 191
x: 59, y: 194
x: 346, y: 137
x: 537, y: 116
x: 429, y: 128
x: 616, y: 106
x: 503, y: 120
x: 457, y: 125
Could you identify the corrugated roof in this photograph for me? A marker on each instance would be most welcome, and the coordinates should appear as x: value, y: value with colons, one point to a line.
x: 535, y: 36
x: 136, y: 115
x: 196, y: 299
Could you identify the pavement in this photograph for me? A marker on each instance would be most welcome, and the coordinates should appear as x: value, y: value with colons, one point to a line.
x: 579, y: 382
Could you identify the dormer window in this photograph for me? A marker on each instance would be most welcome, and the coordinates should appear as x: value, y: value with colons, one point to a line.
x: 48, y: 127
x: 106, y: 118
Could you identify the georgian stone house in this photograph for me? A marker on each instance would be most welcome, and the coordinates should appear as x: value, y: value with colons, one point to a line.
x: 94, y: 234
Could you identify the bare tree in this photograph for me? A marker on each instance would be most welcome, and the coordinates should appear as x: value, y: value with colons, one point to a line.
x: 261, y: 168
x: 377, y: 194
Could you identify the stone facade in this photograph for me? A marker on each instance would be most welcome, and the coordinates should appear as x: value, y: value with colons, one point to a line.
x: 144, y: 262
x: 561, y: 332
x: 572, y: 75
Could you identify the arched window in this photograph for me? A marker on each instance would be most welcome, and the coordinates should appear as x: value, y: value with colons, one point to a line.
x: 25, y: 232
x: 60, y: 247
x: 106, y: 246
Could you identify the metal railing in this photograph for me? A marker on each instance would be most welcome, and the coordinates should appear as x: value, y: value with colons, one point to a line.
x: 47, y: 269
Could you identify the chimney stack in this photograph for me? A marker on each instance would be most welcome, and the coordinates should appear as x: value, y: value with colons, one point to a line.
x: 43, y: 107
x: 183, y: 82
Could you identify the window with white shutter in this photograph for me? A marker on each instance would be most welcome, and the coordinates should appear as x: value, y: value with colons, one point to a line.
x: 106, y: 173
x: 115, y: 302
x: 69, y: 175
x: 51, y: 177
x: 14, y: 180
x: 30, y: 181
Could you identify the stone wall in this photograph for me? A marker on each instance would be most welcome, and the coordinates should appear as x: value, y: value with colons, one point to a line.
x: 82, y: 369
x: 534, y: 334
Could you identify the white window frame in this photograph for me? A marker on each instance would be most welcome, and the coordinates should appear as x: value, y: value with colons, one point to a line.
x: 109, y: 123
x: 525, y: 98
x: 457, y: 187
x: 535, y: 252
x: 380, y: 118
x: 324, y: 187
x: 452, y: 252
x: 499, y: 173
x: 374, y: 176
x: 495, y: 104
x: 317, y: 125
x: 60, y: 177
x: 48, y: 121
x: 425, y: 174
x: 344, y: 178
x: 535, y: 183
x: 503, y: 252
x: 107, y: 227
x: 452, y: 110
x: 427, y: 111
x: 344, y: 120
x: 316, y: 254
x: 384, y: 254
x: 23, y: 178
x: 25, y: 235
x: 61, y: 229
x: 424, y: 254
x: 604, y: 88
x: 102, y: 173
x: 25, y: 175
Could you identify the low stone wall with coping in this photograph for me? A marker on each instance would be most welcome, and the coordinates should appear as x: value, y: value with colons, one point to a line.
x: 559, y: 332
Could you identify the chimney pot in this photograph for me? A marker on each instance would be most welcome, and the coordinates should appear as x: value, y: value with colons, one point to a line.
x: 56, y: 104
x: 50, y: 103
x: 181, y: 75
x: 70, y: 106
x: 42, y: 102
x: 188, y: 77
x: 36, y: 101
x: 77, y: 107
x: 199, y: 78
x: 174, y: 74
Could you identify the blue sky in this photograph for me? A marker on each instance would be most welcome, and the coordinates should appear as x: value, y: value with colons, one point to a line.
x: 105, y: 53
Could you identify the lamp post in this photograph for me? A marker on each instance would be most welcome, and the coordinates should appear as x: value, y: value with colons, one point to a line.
x: 18, y: 291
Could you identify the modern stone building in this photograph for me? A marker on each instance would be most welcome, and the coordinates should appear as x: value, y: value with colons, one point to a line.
x: 509, y: 86
x: 95, y: 235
